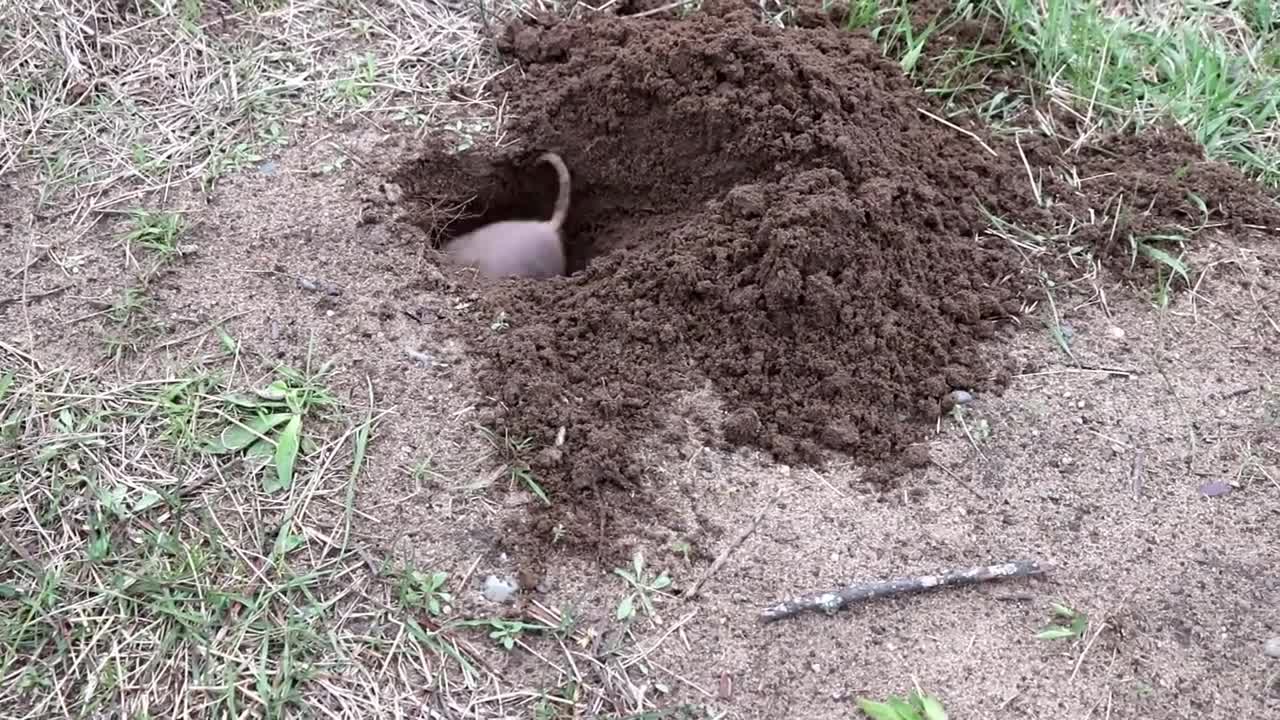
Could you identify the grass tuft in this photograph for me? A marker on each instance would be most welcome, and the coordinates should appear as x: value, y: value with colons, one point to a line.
x: 1212, y: 69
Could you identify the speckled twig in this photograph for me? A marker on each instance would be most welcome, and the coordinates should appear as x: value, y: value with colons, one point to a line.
x: 833, y: 601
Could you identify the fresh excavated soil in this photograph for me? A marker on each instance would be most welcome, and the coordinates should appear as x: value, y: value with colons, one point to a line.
x: 767, y: 212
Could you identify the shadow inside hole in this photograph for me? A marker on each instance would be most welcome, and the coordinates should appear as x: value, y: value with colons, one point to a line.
x: 508, y: 193
x: 526, y: 191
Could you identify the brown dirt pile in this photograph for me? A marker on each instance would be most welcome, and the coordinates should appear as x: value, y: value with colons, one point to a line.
x: 764, y: 210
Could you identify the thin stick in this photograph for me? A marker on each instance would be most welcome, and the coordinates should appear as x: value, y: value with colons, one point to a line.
x: 31, y: 297
x: 1031, y: 177
x: 724, y: 554
x: 836, y: 600
x: 959, y: 416
x: 663, y: 8
x: 1081, y: 369
x: 1084, y: 653
x: 958, y: 479
x: 30, y: 263
x: 959, y: 129
x: 1136, y: 480
x: 18, y: 352
x: 198, y: 333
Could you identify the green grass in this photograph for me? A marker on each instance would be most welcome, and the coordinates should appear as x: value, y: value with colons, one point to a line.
x: 141, y: 570
x: 149, y: 561
x: 157, y: 235
x: 1139, y: 70
x: 153, y: 240
x: 1213, y: 70
x: 133, y: 558
x: 1072, y: 70
x: 514, y: 453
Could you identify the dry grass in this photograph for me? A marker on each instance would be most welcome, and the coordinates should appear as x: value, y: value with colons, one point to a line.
x: 111, y: 102
x: 152, y: 578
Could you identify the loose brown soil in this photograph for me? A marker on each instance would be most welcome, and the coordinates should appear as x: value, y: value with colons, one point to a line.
x: 769, y: 212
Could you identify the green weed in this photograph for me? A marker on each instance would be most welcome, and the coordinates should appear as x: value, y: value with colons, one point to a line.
x: 1066, y: 624
x: 916, y: 706
x: 862, y: 14
x: 156, y: 232
x: 644, y: 588
x: 504, y: 632
x: 425, y: 591
x: 358, y: 88
x: 267, y: 425
x: 1169, y: 267
x: 129, y: 321
x: 514, y: 451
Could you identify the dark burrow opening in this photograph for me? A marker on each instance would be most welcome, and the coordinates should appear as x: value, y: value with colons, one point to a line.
x: 450, y: 197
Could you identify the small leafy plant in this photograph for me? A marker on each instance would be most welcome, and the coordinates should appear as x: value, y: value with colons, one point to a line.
x: 644, y: 588
x: 156, y: 232
x: 504, y: 632
x: 683, y: 548
x: 267, y: 425
x: 916, y: 706
x: 1169, y: 267
x: 425, y: 590
x: 1065, y: 624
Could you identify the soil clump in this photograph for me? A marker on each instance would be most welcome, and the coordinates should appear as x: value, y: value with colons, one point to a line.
x: 767, y: 211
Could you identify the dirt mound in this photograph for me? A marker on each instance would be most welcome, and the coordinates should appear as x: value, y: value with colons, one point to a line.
x: 767, y: 211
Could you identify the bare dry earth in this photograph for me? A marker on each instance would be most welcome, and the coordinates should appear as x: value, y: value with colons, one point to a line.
x: 1095, y: 472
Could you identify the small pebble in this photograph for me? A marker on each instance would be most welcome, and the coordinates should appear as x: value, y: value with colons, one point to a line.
x: 498, y: 590
x: 1214, y: 489
x: 392, y: 192
x: 955, y: 398
x: 1115, y: 333
x: 1271, y: 648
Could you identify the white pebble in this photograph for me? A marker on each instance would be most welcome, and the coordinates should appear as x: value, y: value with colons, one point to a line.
x: 1115, y: 333
x: 498, y: 590
x: 1271, y: 648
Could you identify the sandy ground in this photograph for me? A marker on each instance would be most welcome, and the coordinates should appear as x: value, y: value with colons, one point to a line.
x: 1096, y: 472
